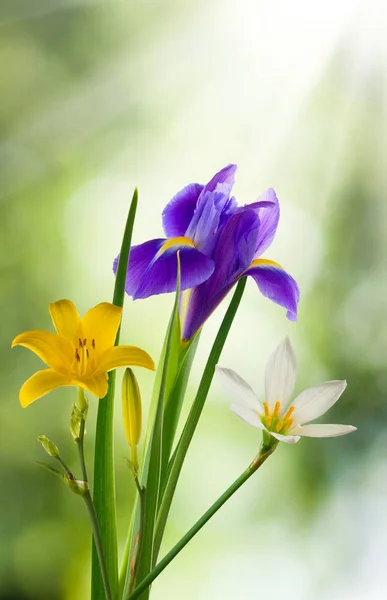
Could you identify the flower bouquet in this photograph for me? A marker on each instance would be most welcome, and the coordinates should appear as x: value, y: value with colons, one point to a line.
x: 211, y: 246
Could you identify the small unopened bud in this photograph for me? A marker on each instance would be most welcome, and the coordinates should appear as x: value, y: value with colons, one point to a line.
x: 49, y: 446
x: 76, y: 485
x: 131, y: 413
x: 77, y: 416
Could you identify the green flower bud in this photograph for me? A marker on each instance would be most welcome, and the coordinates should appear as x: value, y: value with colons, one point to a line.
x: 77, y: 416
x: 131, y: 413
x: 49, y: 446
x: 76, y: 485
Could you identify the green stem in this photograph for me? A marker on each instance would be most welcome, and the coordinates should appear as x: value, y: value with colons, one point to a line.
x: 178, y: 457
x: 98, y: 543
x: 146, y: 582
x: 141, y: 493
x: 93, y: 515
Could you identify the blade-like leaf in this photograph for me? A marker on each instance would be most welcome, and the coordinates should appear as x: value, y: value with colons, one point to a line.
x: 174, y: 401
x: 104, y: 480
x: 152, y: 480
x: 178, y: 457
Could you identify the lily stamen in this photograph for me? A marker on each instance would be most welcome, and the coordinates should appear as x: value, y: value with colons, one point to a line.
x: 67, y: 356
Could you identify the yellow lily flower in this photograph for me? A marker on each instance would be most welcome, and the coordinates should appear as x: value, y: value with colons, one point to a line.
x: 81, y: 353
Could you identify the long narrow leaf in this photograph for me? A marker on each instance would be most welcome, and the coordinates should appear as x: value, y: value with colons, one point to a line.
x: 174, y: 401
x: 152, y: 480
x: 194, y: 415
x: 104, y: 481
x: 172, y: 365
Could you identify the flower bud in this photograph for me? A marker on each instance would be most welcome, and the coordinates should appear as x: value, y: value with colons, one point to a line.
x: 77, y: 486
x: 131, y: 413
x: 77, y: 416
x: 49, y: 446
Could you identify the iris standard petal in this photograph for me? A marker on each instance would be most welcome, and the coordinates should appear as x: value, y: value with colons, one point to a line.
x: 55, y: 351
x: 246, y: 414
x: 225, y: 176
x: 160, y: 275
x: 96, y: 385
x: 179, y: 211
x: 101, y: 324
x: 324, y: 430
x: 277, y: 285
x: 237, y: 389
x: 268, y: 220
x: 315, y: 401
x: 125, y: 356
x: 233, y: 253
x: 280, y: 375
x: 40, y: 384
x: 66, y: 319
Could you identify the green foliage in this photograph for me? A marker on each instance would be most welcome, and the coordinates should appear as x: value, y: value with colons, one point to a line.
x: 104, y: 480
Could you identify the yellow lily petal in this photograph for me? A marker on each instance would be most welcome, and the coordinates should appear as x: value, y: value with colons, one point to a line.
x: 101, y: 324
x: 66, y: 319
x: 125, y: 356
x: 40, y: 384
x: 55, y: 351
x: 96, y: 385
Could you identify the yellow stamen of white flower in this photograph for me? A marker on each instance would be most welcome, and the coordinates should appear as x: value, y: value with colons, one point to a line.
x: 273, y: 422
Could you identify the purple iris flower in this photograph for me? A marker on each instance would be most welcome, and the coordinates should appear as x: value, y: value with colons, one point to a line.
x: 219, y: 242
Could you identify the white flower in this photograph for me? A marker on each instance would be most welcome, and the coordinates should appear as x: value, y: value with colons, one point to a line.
x: 284, y: 420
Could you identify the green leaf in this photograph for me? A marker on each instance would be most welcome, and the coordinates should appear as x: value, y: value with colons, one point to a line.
x: 151, y: 481
x: 49, y: 468
x: 178, y: 457
x: 174, y: 400
x: 104, y: 480
x: 172, y: 338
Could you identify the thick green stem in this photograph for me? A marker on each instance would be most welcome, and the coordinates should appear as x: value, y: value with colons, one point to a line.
x: 145, y: 583
x: 178, y: 457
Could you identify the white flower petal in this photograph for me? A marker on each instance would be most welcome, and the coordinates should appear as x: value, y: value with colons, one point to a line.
x: 247, y: 414
x: 237, y: 389
x: 280, y: 375
x: 324, y: 431
x: 288, y: 439
x: 315, y: 401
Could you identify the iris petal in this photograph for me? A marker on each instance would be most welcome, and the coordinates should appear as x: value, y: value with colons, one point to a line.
x: 277, y: 285
x: 148, y: 275
x: 225, y: 176
x: 40, y: 384
x: 233, y: 254
x: 268, y: 220
x: 179, y: 211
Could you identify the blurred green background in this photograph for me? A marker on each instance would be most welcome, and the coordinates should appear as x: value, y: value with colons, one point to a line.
x: 98, y: 97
